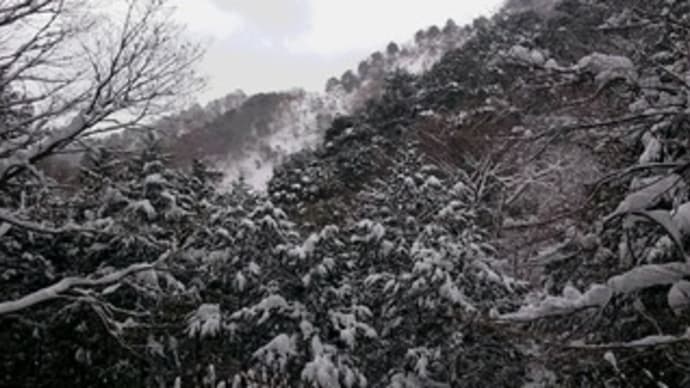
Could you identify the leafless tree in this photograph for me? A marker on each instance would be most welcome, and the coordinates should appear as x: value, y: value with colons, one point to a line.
x: 82, y: 70
x: 72, y: 69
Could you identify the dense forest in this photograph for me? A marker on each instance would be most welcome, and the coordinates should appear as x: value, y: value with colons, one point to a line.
x: 502, y: 204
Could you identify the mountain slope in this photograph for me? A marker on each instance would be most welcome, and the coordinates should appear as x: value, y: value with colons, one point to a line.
x: 555, y: 114
x: 515, y: 216
x: 258, y: 132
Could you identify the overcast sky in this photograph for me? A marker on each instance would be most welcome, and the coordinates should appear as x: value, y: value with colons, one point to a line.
x: 264, y: 45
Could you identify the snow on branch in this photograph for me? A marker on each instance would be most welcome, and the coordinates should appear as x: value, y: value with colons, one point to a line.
x: 10, y: 219
x: 599, y: 295
x: 570, y: 302
x: 645, y: 342
x: 56, y: 290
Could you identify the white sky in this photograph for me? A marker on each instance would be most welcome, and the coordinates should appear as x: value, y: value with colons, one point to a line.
x: 265, y: 45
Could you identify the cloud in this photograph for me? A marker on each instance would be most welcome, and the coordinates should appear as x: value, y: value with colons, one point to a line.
x: 268, y: 69
x: 271, y: 17
x: 205, y: 18
x: 264, y: 45
x: 342, y: 26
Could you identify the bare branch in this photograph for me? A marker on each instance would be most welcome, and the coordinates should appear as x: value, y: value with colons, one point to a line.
x: 13, y: 220
x: 79, y: 76
x: 13, y: 13
x: 646, y: 342
x: 58, y: 289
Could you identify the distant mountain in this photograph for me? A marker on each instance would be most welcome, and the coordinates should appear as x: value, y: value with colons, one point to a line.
x: 247, y: 136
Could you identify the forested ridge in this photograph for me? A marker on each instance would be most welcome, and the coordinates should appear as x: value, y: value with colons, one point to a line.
x: 514, y: 215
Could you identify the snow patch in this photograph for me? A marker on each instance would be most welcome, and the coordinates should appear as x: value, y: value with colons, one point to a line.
x: 278, y: 351
x: 205, y: 321
x: 607, y: 68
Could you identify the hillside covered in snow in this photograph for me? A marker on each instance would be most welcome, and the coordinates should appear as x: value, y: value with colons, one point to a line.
x: 248, y: 136
x: 503, y: 204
